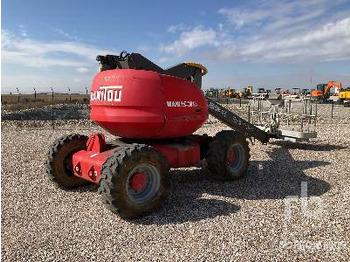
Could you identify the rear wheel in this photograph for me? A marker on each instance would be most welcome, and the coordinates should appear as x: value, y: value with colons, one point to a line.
x: 59, y: 165
x: 133, y: 181
x: 228, y: 155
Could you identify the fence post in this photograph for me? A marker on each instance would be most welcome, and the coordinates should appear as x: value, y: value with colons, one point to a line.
x: 52, y: 94
x: 86, y: 93
x: 18, y: 95
x: 249, y: 113
x: 70, y: 96
x: 316, y: 108
x: 53, y: 118
x: 332, y: 109
x: 34, y: 94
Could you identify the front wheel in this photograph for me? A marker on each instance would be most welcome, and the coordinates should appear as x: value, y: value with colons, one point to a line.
x: 133, y: 181
x: 228, y: 155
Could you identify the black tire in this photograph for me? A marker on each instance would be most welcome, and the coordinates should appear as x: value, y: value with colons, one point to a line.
x: 116, y: 186
x: 59, y: 160
x: 220, y: 162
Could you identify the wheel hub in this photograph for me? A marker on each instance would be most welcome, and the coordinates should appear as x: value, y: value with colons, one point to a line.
x: 235, y: 157
x: 138, y: 181
x: 143, y: 183
x: 231, y: 156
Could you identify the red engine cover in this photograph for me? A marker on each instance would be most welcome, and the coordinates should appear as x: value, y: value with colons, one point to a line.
x: 145, y: 104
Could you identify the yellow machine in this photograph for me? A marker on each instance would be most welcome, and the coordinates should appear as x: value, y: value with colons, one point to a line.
x: 232, y: 93
x: 240, y: 94
x: 222, y: 93
x: 228, y: 93
x: 246, y: 92
x: 344, y: 96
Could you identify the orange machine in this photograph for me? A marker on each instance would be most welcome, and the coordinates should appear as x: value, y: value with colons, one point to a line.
x: 323, y: 90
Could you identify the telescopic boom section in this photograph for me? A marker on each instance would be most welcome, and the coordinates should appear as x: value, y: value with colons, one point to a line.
x: 236, y: 122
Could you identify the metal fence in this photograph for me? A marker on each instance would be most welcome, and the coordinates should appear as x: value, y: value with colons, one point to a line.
x: 54, y: 116
x: 324, y: 110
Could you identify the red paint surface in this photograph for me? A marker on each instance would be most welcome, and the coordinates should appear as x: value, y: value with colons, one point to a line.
x: 87, y: 164
x: 138, y: 181
x: 143, y: 110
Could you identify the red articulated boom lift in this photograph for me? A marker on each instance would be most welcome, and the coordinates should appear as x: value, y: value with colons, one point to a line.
x: 153, y: 113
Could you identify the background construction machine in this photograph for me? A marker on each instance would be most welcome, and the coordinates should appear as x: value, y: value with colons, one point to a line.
x: 262, y: 93
x: 344, y: 96
x: 232, y: 93
x: 247, y: 91
x: 306, y: 91
x: 212, y: 92
x: 323, y: 91
x: 229, y: 93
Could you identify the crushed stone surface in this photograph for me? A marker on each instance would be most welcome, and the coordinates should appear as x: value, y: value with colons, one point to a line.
x: 266, y: 216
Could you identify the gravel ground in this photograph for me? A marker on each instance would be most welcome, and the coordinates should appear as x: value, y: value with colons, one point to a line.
x: 201, y: 220
x: 50, y: 112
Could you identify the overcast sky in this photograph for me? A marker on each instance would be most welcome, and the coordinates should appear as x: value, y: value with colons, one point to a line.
x: 260, y: 43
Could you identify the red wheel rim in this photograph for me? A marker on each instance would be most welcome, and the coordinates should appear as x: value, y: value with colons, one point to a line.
x: 138, y: 181
x: 231, y: 156
x: 235, y: 157
x: 143, y: 183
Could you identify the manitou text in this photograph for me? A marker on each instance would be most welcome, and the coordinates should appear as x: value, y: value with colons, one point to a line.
x: 107, y: 94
